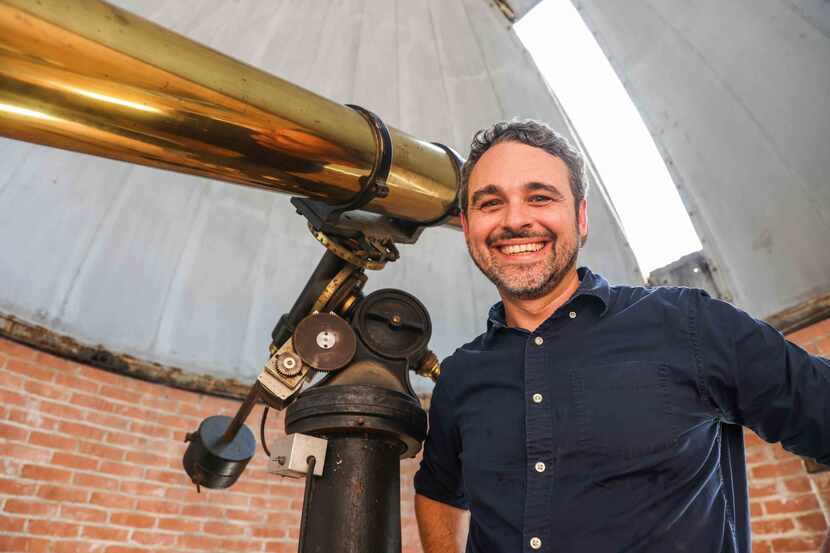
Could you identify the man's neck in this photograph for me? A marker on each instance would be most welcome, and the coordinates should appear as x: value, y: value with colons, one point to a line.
x: 529, y: 314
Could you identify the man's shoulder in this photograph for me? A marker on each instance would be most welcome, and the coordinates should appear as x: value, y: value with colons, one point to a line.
x: 623, y: 296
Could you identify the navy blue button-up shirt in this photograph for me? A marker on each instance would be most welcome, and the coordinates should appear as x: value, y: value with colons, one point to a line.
x: 616, y: 425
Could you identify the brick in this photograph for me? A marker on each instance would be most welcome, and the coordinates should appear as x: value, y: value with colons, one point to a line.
x: 121, y: 469
x: 798, y: 485
x: 8, y: 397
x: 201, y: 543
x: 146, y: 458
x: 11, y: 524
x: 142, y: 488
x: 71, y: 460
x: 159, y: 506
x: 48, y: 474
x: 223, y: 528
x: 271, y: 503
x: 134, y: 520
x: 126, y: 440
x: 179, y: 525
x: 91, y: 402
x: 152, y: 430
x: 16, y: 487
x: 10, y: 380
x: 53, y: 441
x: 153, y: 538
x: 95, y: 481
x: 13, y: 433
x: 105, y: 533
x: 30, y: 507
x: 46, y: 389
x: 112, y: 501
x: 281, y: 547
x: 772, y: 526
x: 203, y: 511
x: 73, y: 546
x: 83, y: 431
x: 756, y: 509
x: 61, y: 410
x: 802, y: 544
x: 83, y: 514
x: 109, y: 420
x: 242, y: 545
x: 791, y: 505
x: 119, y: 393
x: 20, y: 351
x: 74, y: 382
x: 168, y: 477
x: 776, y: 470
x: 245, y: 515
x: 54, y: 362
x: 100, y: 450
x: 814, y: 522
x: 273, y: 532
x: 754, y: 456
x: 30, y: 370
x: 126, y: 549
x: 32, y: 419
x: 58, y: 493
x: 52, y: 528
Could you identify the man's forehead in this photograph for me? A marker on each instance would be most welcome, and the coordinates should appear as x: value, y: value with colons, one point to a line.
x: 511, y: 164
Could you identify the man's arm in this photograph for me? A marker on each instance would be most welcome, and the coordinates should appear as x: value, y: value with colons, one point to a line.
x: 443, y: 528
x: 755, y: 378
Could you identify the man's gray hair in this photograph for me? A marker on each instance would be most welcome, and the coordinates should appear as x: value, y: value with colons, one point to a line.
x: 533, y: 133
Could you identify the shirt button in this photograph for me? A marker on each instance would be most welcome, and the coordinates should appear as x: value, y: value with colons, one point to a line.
x: 540, y: 467
x: 538, y: 340
x: 572, y: 314
x: 537, y: 398
x: 535, y: 543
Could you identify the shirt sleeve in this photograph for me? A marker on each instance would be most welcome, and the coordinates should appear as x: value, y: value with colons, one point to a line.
x: 439, y: 476
x: 755, y: 377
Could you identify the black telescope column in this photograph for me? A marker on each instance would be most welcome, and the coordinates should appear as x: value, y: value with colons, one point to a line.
x: 355, y: 505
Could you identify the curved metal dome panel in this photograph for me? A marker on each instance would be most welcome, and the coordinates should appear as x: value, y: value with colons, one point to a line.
x: 193, y: 273
x: 737, y: 96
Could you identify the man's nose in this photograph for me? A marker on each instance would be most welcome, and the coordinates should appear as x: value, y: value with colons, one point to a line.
x: 516, y: 216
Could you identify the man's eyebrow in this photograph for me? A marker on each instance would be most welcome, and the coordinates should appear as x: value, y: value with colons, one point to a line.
x: 531, y: 186
x: 488, y: 190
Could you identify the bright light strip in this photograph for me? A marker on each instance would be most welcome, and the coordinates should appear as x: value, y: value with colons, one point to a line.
x: 26, y: 112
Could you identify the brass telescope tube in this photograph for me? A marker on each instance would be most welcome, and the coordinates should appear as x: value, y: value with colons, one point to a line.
x: 86, y: 76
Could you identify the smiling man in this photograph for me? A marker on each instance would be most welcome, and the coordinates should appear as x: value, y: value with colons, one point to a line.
x: 591, y: 417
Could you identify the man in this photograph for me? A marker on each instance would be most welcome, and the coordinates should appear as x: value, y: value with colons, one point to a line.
x: 590, y: 418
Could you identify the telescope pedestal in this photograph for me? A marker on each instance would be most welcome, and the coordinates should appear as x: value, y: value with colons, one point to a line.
x: 355, y: 505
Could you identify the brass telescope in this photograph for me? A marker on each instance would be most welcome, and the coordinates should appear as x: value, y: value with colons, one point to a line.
x: 86, y: 76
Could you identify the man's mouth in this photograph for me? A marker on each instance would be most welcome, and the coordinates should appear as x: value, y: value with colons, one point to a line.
x: 515, y: 249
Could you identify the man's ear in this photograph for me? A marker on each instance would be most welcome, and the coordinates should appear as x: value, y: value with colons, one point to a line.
x: 582, y: 221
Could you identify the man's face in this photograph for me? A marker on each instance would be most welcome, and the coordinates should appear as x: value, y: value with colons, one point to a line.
x: 522, y: 227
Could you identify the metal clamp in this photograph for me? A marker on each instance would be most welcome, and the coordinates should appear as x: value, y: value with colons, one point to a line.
x: 372, y: 186
x: 290, y: 454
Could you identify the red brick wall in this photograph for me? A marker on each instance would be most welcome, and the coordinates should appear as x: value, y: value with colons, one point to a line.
x: 91, y: 462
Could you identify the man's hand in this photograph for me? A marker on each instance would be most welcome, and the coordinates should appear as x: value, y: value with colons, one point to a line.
x: 443, y: 528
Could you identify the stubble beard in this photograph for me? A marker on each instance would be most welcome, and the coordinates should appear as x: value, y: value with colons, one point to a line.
x: 533, y: 281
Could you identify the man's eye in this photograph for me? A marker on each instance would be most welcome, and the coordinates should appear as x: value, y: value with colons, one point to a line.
x: 488, y: 203
x: 540, y: 199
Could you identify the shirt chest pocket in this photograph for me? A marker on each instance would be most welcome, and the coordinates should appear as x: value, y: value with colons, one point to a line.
x: 624, y: 409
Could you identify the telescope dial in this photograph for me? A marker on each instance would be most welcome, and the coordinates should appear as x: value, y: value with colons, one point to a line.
x: 393, y: 324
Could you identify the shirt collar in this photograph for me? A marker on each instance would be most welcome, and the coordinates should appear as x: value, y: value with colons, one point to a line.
x: 589, y: 285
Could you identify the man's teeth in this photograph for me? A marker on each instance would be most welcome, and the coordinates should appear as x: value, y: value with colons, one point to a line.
x: 522, y: 248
